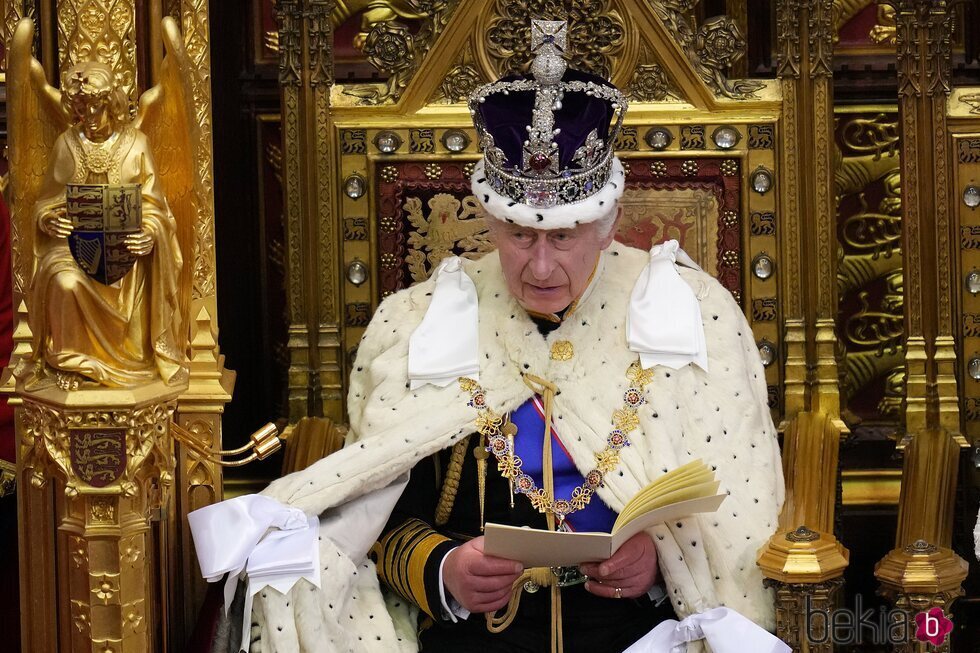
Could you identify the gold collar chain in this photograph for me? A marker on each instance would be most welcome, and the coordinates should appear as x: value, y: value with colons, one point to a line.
x: 491, y: 425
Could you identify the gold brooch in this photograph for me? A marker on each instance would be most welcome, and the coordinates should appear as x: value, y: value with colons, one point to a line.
x: 562, y: 350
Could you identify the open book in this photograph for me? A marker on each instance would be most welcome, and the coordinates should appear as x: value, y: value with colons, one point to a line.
x: 679, y: 493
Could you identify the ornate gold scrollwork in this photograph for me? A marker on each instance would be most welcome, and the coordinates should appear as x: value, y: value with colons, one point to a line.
x: 711, y: 48
x: 870, y: 270
x: 97, y: 450
x: 103, y: 30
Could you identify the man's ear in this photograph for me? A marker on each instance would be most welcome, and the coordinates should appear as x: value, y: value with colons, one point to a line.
x: 611, y: 236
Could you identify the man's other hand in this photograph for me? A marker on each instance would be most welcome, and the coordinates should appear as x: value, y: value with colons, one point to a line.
x: 632, y: 570
x: 479, y: 582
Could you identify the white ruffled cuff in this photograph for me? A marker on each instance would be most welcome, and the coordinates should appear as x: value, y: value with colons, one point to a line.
x: 275, y: 545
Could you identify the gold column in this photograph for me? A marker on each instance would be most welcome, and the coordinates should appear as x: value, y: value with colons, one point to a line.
x: 110, y: 455
x: 306, y: 75
x: 199, y: 408
x: 136, y: 538
x: 922, y: 571
x: 803, y: 561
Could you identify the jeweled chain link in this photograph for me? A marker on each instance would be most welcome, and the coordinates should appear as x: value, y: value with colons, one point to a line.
x: 490, y: 424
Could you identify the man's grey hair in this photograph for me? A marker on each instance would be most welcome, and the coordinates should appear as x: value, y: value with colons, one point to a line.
x: 605, y: 224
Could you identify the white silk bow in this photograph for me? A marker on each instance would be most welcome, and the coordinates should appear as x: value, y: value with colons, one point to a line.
x: 664, y: 324
x: 277, y: 545
x: 445, y: 346
x: 725, y: 631
x: 274, y: 544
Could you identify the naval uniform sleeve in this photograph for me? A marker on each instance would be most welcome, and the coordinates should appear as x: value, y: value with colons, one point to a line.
x: 409, y: 552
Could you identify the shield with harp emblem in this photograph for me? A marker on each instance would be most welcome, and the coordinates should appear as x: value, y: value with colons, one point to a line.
x: 103, y: 215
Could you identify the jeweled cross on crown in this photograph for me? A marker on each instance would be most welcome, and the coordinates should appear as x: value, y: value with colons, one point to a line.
x: 549, y: 32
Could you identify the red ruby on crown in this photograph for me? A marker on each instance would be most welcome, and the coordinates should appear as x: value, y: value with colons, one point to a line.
x: 540, y: 161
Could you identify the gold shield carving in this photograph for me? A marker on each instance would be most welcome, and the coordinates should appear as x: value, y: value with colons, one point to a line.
x: 98, y: 455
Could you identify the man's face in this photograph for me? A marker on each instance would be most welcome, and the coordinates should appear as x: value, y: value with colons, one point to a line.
x: 548, y: 269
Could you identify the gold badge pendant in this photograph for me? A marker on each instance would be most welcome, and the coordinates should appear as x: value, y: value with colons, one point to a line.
x: 562, y: 350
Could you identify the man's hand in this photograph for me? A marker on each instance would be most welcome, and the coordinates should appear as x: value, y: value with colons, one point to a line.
x: 139, y: 244
x: 632, y: 569
x: 481, y: 583
x: 56, y: 223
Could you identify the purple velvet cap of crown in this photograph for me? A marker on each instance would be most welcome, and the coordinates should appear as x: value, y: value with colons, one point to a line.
x: 507, y: 117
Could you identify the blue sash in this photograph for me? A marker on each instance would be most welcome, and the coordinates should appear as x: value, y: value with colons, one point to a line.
x: 529, y: 419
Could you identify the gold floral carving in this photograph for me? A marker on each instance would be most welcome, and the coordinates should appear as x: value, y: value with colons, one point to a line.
x: 102, y: 510
x: 103, y: 30
x: 80, y: 618
x: 395, y: 48
x: 105, y: 586
x: 650, y: 82
x: 711, y: 47
x: 133, y: 616
x: 374, y: 12
x: 461, y: 80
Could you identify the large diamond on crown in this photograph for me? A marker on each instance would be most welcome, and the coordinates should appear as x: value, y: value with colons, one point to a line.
x: 541, y: 196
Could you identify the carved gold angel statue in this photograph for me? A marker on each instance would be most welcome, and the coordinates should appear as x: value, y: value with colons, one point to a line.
x: 68, y: 147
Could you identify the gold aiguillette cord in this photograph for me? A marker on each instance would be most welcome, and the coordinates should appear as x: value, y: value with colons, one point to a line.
x: 539, y: 576
x: 547, y: 390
